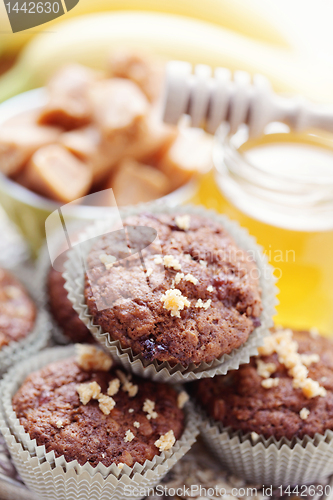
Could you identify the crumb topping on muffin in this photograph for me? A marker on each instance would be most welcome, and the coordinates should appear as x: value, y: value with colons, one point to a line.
x: 268, y: 383
x: 304, y: 413
x: 127, y: 385
x: 91, y: 358
x: 286, y: 391
x: 106, y: 403
x: 148, y: 407
x: 166, y: 442
x: 88, y: 392
x: 174, y: 301
x: 107, y: 260
x: 183, y: 222
x: 129, y: 436
x: 282, y: 343
x: 114, y: 387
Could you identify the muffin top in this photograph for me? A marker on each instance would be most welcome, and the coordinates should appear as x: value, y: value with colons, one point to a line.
x: 189, y: 297
x: 85, y: 410
x: 286, y: 391
x: 62, y: 310
x: 17, y: 310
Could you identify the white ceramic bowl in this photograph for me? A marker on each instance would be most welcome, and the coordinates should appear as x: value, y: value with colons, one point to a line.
x: 29, y: 210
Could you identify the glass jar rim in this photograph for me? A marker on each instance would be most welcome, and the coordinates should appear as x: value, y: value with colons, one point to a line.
x: 226, y: 151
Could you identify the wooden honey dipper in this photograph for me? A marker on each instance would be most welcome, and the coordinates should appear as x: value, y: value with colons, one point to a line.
x: 238, y: 99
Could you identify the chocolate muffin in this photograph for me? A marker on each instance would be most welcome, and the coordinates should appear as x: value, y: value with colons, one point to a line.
x: 17, y: 310
x: 189, y: 297
x: 86, y: 410
x: 62, y: 310
x: 286, y: 391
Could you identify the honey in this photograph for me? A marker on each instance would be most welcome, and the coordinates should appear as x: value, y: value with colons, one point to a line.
x: 280, y: 188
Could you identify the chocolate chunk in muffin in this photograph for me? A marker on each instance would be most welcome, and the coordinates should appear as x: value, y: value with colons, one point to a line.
x: 286, y: 391
x: 86, y: 410
x: 190, y: 297
x: 62, y: 310
x: 17, y: 310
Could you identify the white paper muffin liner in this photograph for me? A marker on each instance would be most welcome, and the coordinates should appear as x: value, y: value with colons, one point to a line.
x: 39, y: 336
x: 156, y: 370
x: 52, y: 477
x: 269, y: 461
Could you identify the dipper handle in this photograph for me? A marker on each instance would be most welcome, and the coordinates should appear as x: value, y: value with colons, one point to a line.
x: 211, y: 99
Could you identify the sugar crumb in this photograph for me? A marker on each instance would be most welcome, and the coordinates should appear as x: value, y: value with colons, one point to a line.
x: 304, y: 413
x: 107, y: 260
x: 210, y: 288
x: 120, y: 465
x: 91, y: 358
x: 183, y: 222
x: 311, y: 388
x: 286, y: 348
x: 178, y: 278
x: 149, y: 407
x: 136, y: 424
x: 88, y: 391
x: 192, y: 279
x: 174, y: 301
x: 171, y: 261
x: 166, y: 441
x: 265, y: 370
x: 308, y: 359
x: 182, y: 399
x: 114, y: 387
x: 268, y: 383
x: 126, y: 385
x: 203, y: 305
x: 106, y: 404
x: 59, y: 424
x: 131, y: 410
x: 129, y: 436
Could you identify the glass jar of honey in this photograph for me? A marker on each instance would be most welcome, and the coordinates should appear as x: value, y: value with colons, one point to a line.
x: 280, y: 187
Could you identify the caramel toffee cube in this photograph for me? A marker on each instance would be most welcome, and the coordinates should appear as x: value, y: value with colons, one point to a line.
x: 118, y: 105
x: 59, y: 175
x: 134, y: 183
x: 188, y: 155
x: 19, y: 142
x: 68, y: 104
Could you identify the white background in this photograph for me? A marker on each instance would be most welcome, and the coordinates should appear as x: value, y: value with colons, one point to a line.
x: 308, y: 23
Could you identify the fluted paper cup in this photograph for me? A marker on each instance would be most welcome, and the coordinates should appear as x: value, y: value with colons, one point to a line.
x: 269, y: 461
x: 51, y: 477
x: 156, y: 370
x: 39, y: 336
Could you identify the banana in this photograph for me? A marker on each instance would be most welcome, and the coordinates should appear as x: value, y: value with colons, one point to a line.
x: 236, y: 15
x: 89, y: 39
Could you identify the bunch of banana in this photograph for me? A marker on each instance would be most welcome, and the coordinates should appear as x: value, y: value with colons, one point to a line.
x: 89, y: 40
x: 236, y: 15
